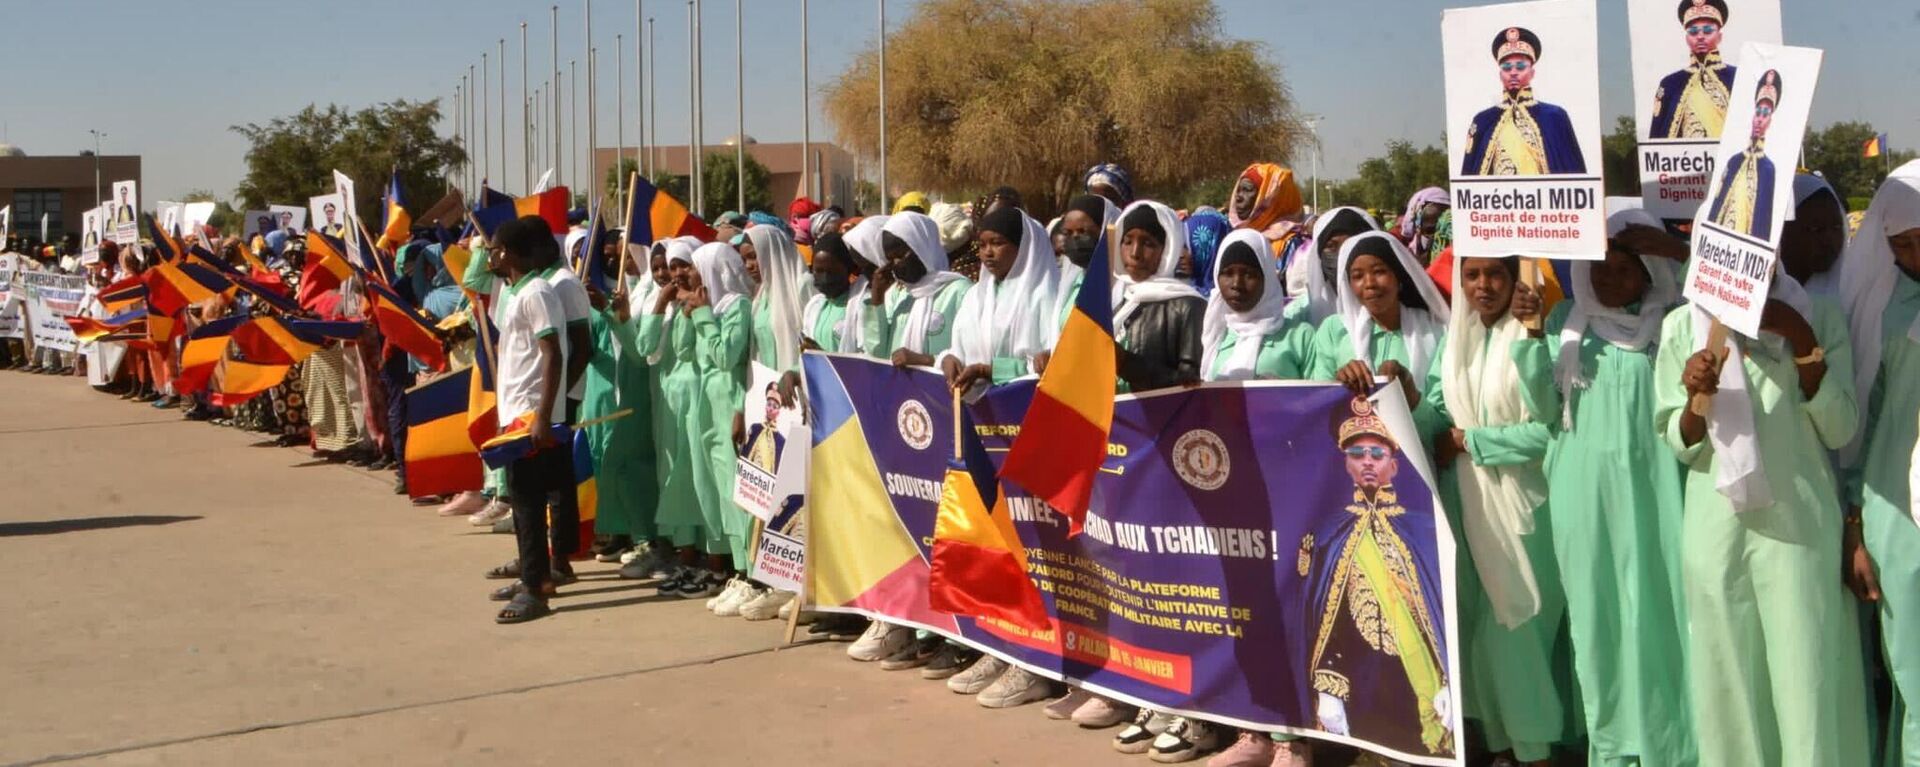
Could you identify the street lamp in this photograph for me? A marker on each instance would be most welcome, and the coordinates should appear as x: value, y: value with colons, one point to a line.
x: 1313, y: 128
x: 97, y: 135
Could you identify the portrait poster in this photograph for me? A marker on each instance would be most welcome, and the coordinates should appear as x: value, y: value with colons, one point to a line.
x: 343, y: 188
x: 90, y: 228
x: 328, y: 215
x: 168, y: 213
x: 256, y: 222
x: 6, y: 223
x: 1523, y: 129
x: 764, y: 482
x: 1736, y: 234
x: 194, y: 217
x: 289, y: 218
x: 1683, y: 72
x: 124, y: 213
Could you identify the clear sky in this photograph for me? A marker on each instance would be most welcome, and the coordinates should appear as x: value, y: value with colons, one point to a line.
x: 165, y: 78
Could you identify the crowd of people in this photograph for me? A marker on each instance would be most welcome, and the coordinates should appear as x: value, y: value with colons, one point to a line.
x: 1664, y: 559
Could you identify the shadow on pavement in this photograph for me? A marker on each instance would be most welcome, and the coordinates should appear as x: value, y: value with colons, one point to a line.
x: 79, y: 524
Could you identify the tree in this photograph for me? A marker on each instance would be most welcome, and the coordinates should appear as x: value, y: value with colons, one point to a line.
x: 293, y: 158
x: 224, y: 217
x: 674, y: 185
x: 1030, y: 93
x: 616, y: 179
x: 1386, y: 183
x: 1620, y: 158
x: 1835, y: 152
x: 720, y: 180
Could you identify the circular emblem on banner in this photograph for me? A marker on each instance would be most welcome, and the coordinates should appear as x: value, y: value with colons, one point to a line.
x: 1200, y: 458
x: 916, y: 426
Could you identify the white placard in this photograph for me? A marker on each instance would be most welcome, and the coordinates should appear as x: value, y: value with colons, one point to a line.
x: 1683, y: 72
x: 90, y: 229
x: 328, y: 215
x: 289, y: 218
x: 764, y: 481
x: 123, y: 213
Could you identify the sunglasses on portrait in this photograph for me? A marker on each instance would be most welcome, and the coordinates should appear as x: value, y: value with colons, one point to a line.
x: 1763, y: 111
x: 1703, y: 29
x: 1519, y: 65
x: 1367, y: 451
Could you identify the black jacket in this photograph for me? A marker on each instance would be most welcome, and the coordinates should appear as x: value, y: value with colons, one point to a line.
x: 1163, y: 346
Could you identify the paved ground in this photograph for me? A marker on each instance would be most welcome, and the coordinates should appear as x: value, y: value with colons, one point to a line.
x: 176, y: 595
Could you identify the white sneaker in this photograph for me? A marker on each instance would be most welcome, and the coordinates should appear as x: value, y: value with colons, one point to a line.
x: 731, y: 593
x: 463, y: 504
x: 730, y: 608
x: 767, y: 606
x: 1184, y: 741
x: 491, y: 513
x: 1017, y: 687
x: 1137, y: 737
x: 1063, y: 708
x: 881, y: 640
x: 977, y: 677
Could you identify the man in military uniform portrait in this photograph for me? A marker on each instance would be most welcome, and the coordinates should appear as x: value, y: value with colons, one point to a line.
x: 1520, y: 136
x: 1692, y: 103
x: 1745, y: 201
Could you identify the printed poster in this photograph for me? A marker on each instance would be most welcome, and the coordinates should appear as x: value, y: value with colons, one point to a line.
x: 170, y: 215
x: 124, y: 213
x: 256, y: 222
x: 49, y: 299
x: 763, y: 486
x: 90, y: 229
x: 328, y: 215
x: 289, y: 218
x: 1736, y: 235
x: 1244, y: 547
x: 1683, y: 73
x: 6, y: 224
x: 1523, y: 129
x: 194, y: 217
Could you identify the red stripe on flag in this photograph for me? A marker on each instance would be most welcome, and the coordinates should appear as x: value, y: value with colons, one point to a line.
x: 444, y: 475
x: 961, y: 570
x: 1056, y: 469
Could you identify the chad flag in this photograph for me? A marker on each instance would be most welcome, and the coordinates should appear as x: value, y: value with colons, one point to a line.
x: 325, y: 269
x: 205, y: 349
x: 550, y: 205
x: 653, y: 215
x: 979, y: 565
x: 125, y: 295
x: 399, y: 226
x: 406, y: 327
x: 440, y: 458
x: 483, y: 416
x: 586, y: 492
x: 1063, y: 440
x: 89, y: 329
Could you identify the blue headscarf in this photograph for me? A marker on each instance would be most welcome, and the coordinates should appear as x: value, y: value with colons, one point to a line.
x: 763, y: 217
x: 1206, y: 229
x: 1111, y: 175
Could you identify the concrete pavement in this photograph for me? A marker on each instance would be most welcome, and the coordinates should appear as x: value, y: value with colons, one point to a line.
x: 178, y: 594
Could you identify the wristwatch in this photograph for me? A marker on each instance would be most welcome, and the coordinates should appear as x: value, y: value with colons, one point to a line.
x: 1818, y: 354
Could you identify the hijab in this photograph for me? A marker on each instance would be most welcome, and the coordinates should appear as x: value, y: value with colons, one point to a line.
x: 1206, y: 232
x: 1323, y: 299
x: 922, y: 236
x: 1739, y: 471
x: 1276, y: 197
x: 1162, y: 286
x: 1497, y: 502
x: 1634, y: 331
x: 1249, y: 327
x: 800, y: 220
x: 1419, y: 243
x: 1112, y: 175
x: 1423, y: 314
x: 1868, y: 274
x: 998, y: 317
x: 1101, y: 210
x: 785, y: 287
x: 1805, y: 186
x: 911, y: 202
x: 678, y: 250
x: 850, y: 328
x: 724, y: 274
x: 864, y: 240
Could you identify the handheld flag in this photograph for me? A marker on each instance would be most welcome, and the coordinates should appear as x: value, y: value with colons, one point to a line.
x: 205, y: 348
x: 551, y: 205
x: 979, y: 565
x: 1063, y: 440
x: 586, y: 494
x: 1875, y: 146
x: 405, y: 327
x: 653, y: 215
x: 325, y: 270
x: 592, y: 262
x: 483, y: 417
x: 399, y: 225
x: 439, y: 457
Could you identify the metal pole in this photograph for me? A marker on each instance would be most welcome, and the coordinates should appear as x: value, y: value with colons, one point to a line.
x: 486, y: 122
x: 590, y: 186
x: 620, y: 119
x: 640, y: 83
x: 472, y: 178
x: 535, y: 106
x: 502, y: 62
x: 739, y: 112
x: 526, y: 141
x: 653, y: 100
x: 700, y: 104
x: 573, y: 133
x: 97, y: 135
x: 554, y: 90
x: 693, y: 128
x: 883, y: 105
x: 806, y: 113
x: 459, y: 108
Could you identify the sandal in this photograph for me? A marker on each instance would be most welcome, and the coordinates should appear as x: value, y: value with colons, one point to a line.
x: 522, y: 608
x: 509, y: 570
x: 516, y: 588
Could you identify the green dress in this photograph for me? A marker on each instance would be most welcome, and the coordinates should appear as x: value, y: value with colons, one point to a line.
x: 618, y: 378
x: 1879, y: 487
x: 1285, y: 354
x: 1069, y: 295
x: 1615, y: 491
x: 1517, y: 686
x: 1773, y: 642
x: 826, y: 326
x: 678, y: 456
x: 887, y: 324
x: 721, y: 350
x: 765, y: 351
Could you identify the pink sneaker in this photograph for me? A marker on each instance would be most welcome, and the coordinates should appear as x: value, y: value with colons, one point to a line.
x: 1252, y: 749
x: 463, y: 504
x: 1293, y: 753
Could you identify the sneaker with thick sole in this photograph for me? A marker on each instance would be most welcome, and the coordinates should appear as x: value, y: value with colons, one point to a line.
x: 787, y: 608
x: 881, y: 641
x: 505, y: 525
x: 952, y: 659
x: 1138, y: 736
x: 766, y: 606
x: 700, y: 585
x: 1017, y: 687
x: 1064, y: 706
x: 746, y: 592
x: 1099, y: 713
x: 1184, y: 741
x: 670, y: 585
x: 649, y: 563
x: 916, y: 654
x: 463, y: 504
x: 1251, y: 749
x: 489, y: 514
x: 729, y: 589
x: 977, y: 678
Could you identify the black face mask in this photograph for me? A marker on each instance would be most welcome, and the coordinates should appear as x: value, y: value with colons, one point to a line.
x: 909, y: 270
x: 1079, y: 248
x: 830, y: 285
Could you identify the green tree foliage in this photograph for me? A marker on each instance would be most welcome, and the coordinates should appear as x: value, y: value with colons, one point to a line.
x: 1835, y: 151
x: 1620, y: 158
x: 720, y: 181
x: 224, y: 217
x: 1030, y: 93
x: 293, y: 157
x: 1386, y: 183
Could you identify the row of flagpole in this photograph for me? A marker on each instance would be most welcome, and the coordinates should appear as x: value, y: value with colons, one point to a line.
x: 488, y: 87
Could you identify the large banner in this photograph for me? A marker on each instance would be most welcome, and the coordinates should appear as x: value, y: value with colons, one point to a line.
x: 1262, y: 555
x: 11, y: 323
x: 1736, y: 236
x: 49, y: 300
x: 1523, y: 129
x: 1683, y: 85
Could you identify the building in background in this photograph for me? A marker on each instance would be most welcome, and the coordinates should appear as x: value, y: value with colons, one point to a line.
x: 60, y: 186
x: 833, y: 169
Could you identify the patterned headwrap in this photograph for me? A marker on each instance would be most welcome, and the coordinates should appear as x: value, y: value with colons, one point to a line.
x: 800, y: 220
x: 1276, y: 196
x: 1206, y: 229
x: 763, y: 217
x: 1112, y: 175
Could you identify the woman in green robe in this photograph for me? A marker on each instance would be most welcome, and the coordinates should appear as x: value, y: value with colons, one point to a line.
x: 619, y: 378
x: 1615, y: 492
x: 686, y: 486
x: 1880, y: 280
x: 912, y: 298
x: 721, y: 312
x: 828, y: 322
x: 1773, y: 646
x: 997, y: 332
x: 1245, y: 334
x: 780, y: 298
x: 1512, y: 613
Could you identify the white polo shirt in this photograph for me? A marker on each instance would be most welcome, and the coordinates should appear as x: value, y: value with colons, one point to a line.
x: 574, y: 307
x: 532, y: 312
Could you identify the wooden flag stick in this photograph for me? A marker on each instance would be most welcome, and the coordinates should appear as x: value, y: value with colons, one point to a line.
x: 1717, y: 343
x: 626, y: 233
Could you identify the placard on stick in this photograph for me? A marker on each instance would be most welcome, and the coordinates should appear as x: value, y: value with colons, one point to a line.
x: 1683, y: 73
x: 1736, y: 234
x: 1523, y: 129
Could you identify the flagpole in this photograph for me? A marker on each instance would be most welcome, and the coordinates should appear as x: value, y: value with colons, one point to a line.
x: 526, y: 142
x: 653, y: 102
x: 739, y: 112
x: 504, y: 173
x: 806, y: 113
x: 486, y: 121
x: 554, y: 90
x: 592, y: 181
x: 573, y: 132
x: 883, y: 105
x: 693, y: 127
x: 626, y: 234
x: 459, y: 119
x: 639, y: 82
x: 620, y: 115
x: 699, y: 105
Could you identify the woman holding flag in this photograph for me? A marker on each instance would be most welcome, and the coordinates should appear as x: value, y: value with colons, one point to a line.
x: 720, y: 309
x: 1156, y: 317
x: 686, y: 489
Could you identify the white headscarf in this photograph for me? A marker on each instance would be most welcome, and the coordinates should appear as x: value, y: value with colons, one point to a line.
x: 786, y: 288
x: 1805, y: 185
x: 1627, y: 330
x: 1497, y: 502
x: 1740, y: 474
x: 1420, y: 330
x: 922, y: 235
x: 1070, y: 271
x: 850, y: 326
x: 864, y: 240
x: 724, y: 274
x: 1251, y: 326
x: 1004, y: 318
x: 677, y: 250
x: 1867, y: 278
x: 1322, y: 299
x: 1129, y: 295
